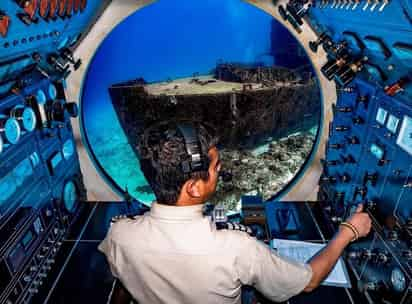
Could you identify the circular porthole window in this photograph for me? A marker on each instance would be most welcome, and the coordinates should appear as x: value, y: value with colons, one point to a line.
x: 223, y: 62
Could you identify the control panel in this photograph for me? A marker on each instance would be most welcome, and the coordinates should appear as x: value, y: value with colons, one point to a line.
x: 41, y: 185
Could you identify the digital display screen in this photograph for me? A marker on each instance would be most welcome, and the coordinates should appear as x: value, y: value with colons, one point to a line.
x: 27, y: 239
x: 405, y: 135
x: 381, y: 116
x: 392, y: 124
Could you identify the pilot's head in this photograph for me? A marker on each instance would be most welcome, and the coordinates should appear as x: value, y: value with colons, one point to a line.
x: 180, y: 161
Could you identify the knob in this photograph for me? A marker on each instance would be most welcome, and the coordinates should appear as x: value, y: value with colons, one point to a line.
x: 68, y: 55
x: 370, y: 205
x: 33, y: 290
x: 360, y: 191
x: 407, y: 254
x: 313, y: 45
x: 373, y: 286
x: 58, y: 64
x: 353, y: 140
x: 45, y: 248
x: 336, y: 219
x: 372, y: 178
x: 42, y: 275
x: 382, y: 258
x: 345, y: 178
x: 25, y: 116
x: 363, y: 100
x: 34, y: 268
x: 72, y: 109
x: 348, y: 159
x: 393, y: 235
x: 10, y: 129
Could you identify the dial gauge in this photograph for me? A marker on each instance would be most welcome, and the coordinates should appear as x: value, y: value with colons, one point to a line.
x: 70, y: 196
x: 29, y: 119
x: 26, y: 116
x: 11, y: 129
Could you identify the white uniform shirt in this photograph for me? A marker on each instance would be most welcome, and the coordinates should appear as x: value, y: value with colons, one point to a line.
x: 176, y: 255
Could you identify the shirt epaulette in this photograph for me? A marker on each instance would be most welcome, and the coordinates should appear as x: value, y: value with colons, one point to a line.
x: 120, y: 217
x: 236, y: 227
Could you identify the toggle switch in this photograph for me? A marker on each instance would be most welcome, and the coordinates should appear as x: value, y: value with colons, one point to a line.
x: 68, y: 55
x: 341, y: 128
x: 336, y: 146
x: 358, y: 120
x: 353, y: 140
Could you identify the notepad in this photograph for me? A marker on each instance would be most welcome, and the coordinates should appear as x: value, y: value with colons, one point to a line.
x: 302, y: 251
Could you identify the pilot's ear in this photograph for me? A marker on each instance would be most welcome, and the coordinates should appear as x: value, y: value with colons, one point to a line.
x: 193, y: 188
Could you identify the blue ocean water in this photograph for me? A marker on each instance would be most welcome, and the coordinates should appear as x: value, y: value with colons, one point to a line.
x: 171, y: 39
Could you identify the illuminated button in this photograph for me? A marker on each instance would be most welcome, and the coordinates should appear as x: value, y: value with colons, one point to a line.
x: 52, y: 91
x: 70, y: 196
x: 41, y: 97
x: 11, y: 129
x: 392, y: 124
x: 381, y: 116
x: 68, y: 149
x: 377, y: 151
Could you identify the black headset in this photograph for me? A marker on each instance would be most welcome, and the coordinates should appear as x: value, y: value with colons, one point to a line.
x: 197, y: 160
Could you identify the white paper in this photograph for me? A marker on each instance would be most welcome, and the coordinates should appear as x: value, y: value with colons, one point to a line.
x: 302, y: 251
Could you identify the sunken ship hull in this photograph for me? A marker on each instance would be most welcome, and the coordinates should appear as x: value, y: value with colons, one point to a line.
x: 244, y: 104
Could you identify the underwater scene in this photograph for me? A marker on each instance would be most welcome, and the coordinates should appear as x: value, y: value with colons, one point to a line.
x: 226, y: 63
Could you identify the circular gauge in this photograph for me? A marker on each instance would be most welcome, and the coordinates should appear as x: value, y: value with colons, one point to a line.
x: 70, y: 196
x: 52, y: 91
x: 68, y: 149
x: 76, y: 5
x: 69, y: 7
x: 53, y: 8
x: 62, y: 8
x: 398, y: 280
x: 44, y: 8
x: 41, y: 97
x: 11, y: 129
x: 29, y: 119
x: 83, y: 4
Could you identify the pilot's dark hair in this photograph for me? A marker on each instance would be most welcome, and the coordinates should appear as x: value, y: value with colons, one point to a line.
x: 162, y: 151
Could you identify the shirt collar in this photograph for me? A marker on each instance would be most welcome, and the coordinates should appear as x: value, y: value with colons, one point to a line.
x: 166, y: 212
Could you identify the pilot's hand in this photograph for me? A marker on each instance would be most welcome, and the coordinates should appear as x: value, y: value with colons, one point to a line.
x: 361, y: 221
